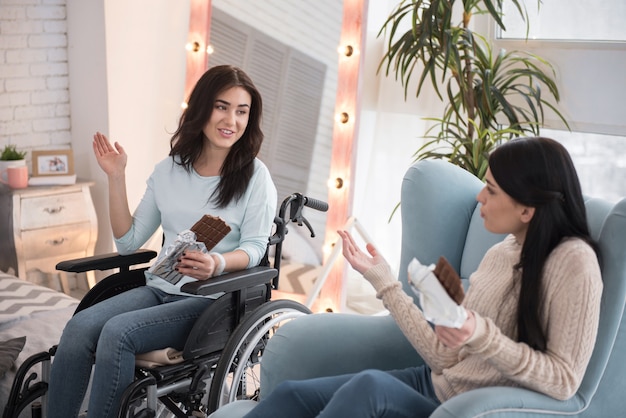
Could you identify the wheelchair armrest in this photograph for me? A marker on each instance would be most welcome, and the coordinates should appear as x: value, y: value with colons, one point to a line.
x: 106, y: 261
x: 231, y: 281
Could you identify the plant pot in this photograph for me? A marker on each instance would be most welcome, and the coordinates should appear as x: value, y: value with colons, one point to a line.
x: 4, y: 164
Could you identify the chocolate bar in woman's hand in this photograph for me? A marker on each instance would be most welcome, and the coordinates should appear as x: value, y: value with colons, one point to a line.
x: 210, y: 230
x: 449, y: 279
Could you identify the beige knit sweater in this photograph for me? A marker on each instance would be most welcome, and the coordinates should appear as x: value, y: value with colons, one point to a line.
x: 572, y: 288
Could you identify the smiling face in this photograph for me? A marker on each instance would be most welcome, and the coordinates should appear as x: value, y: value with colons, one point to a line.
x: 501, y: 213
x: 229, y: 118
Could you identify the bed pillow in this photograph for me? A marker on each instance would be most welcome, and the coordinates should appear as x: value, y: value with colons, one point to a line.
x: 9, y: 350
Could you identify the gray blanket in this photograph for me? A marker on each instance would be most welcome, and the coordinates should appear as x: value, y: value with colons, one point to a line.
x: 33, y: 311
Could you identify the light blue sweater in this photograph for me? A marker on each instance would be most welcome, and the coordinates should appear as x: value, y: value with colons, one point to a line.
x: 176, y: 199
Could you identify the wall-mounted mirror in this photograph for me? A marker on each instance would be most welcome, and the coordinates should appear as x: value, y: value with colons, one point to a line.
x: 290, y: 51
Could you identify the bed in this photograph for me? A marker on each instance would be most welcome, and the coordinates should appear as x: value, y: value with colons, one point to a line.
x: 32, y: 311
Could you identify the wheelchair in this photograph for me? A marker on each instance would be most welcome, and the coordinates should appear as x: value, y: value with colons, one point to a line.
x: 221, y: 355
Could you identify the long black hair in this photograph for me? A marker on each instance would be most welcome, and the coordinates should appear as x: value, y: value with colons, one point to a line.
x: 188, y: 140
x: 539, y: 172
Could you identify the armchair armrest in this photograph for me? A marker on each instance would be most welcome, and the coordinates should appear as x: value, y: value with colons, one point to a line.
x: 332, y: 344
x: 106, y: 261
x: 507, y: 402
x: 231, y: 281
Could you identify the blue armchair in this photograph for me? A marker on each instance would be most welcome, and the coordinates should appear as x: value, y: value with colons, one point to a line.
x: 440, y: 217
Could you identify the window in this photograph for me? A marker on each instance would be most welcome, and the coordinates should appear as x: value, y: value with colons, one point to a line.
x: 600, y: 161
x: 585, y: 41
x: 567, y: 20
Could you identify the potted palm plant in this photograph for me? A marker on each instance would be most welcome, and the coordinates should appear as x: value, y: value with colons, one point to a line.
x: 489, y: 96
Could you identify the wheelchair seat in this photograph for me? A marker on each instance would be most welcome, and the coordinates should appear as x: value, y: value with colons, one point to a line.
x: 222, y: 353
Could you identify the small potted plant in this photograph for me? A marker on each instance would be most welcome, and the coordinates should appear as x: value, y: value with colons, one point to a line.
x: 10, y: 153
x: 11, y: 157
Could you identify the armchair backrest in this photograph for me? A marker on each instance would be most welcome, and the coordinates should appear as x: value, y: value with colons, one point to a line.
x: 604, y: 379
x: 440, y: 216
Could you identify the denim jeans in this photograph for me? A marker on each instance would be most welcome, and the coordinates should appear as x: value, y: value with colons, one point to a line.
x: 371, y: 393
x: 109, y: 334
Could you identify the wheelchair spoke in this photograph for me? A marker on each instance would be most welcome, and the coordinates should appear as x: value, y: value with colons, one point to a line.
x: 237, y: 375
x: 244, y: 369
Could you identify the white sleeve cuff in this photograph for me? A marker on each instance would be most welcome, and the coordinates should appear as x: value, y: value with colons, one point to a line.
x: 221, y: 265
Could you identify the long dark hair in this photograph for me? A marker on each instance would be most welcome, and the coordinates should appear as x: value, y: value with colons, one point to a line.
x: 538, y: 172
x: 188, y: 140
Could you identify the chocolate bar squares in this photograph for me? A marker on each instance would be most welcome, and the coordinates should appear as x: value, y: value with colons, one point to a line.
x: 449, y: 279
x: 210, y: 230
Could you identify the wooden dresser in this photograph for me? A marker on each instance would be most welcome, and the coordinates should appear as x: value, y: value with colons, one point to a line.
x: 42, y: 225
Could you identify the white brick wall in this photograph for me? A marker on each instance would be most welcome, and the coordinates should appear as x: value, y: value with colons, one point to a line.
x: 34, y: 88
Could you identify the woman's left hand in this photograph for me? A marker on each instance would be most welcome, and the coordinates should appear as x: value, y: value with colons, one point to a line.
x: 456, y: 337
x: 196, y: 264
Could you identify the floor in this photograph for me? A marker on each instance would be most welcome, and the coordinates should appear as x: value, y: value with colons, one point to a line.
x: 77, y: 282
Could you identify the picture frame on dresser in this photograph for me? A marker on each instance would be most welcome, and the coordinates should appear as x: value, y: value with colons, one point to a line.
x: 53, y: 163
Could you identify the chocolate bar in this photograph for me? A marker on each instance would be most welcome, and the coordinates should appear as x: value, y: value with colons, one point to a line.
x: 210, y: 230
x: 449, y: 279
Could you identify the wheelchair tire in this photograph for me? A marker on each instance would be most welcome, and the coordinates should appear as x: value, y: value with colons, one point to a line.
x: 240, y: 359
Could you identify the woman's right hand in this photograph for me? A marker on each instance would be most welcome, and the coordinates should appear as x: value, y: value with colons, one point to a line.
x: 359, y: 261
x: 111, y: 160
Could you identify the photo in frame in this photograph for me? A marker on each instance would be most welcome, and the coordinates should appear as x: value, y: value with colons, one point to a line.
x: 53, y: 163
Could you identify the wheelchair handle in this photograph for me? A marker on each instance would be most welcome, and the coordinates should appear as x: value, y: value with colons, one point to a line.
x: 315, y: 204
x: 295, y: 202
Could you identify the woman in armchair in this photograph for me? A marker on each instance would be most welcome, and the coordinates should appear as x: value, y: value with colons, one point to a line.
x: 521, y: 327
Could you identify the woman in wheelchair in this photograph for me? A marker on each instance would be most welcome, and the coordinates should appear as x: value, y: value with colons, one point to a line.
x: 211, y: 169
x: 532, y: 306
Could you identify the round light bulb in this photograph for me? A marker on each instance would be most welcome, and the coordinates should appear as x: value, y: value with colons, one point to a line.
x: 193, y: 46
x: 346, y: 50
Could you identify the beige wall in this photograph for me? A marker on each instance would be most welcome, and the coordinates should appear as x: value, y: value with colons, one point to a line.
x: 127, y: 75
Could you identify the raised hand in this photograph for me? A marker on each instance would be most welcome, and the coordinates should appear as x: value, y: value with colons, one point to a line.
x: 359, y: 261
x: 111, y: 159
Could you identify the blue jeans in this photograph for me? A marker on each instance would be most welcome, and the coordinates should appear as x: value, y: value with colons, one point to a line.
x: 371, y: 393
x: 109, y: 334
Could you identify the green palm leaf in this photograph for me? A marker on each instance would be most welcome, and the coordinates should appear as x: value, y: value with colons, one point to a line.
x: 489, y: 97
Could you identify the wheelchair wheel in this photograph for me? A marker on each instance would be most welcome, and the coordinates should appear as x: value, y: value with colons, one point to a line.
x: 237, y: 375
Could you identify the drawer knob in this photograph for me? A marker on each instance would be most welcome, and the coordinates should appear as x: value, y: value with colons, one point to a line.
x: 53, y: 211
x: 56, y: 241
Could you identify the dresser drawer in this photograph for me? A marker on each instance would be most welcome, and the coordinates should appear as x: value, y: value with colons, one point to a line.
x: 56, y: 241
x: 60, y: 209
